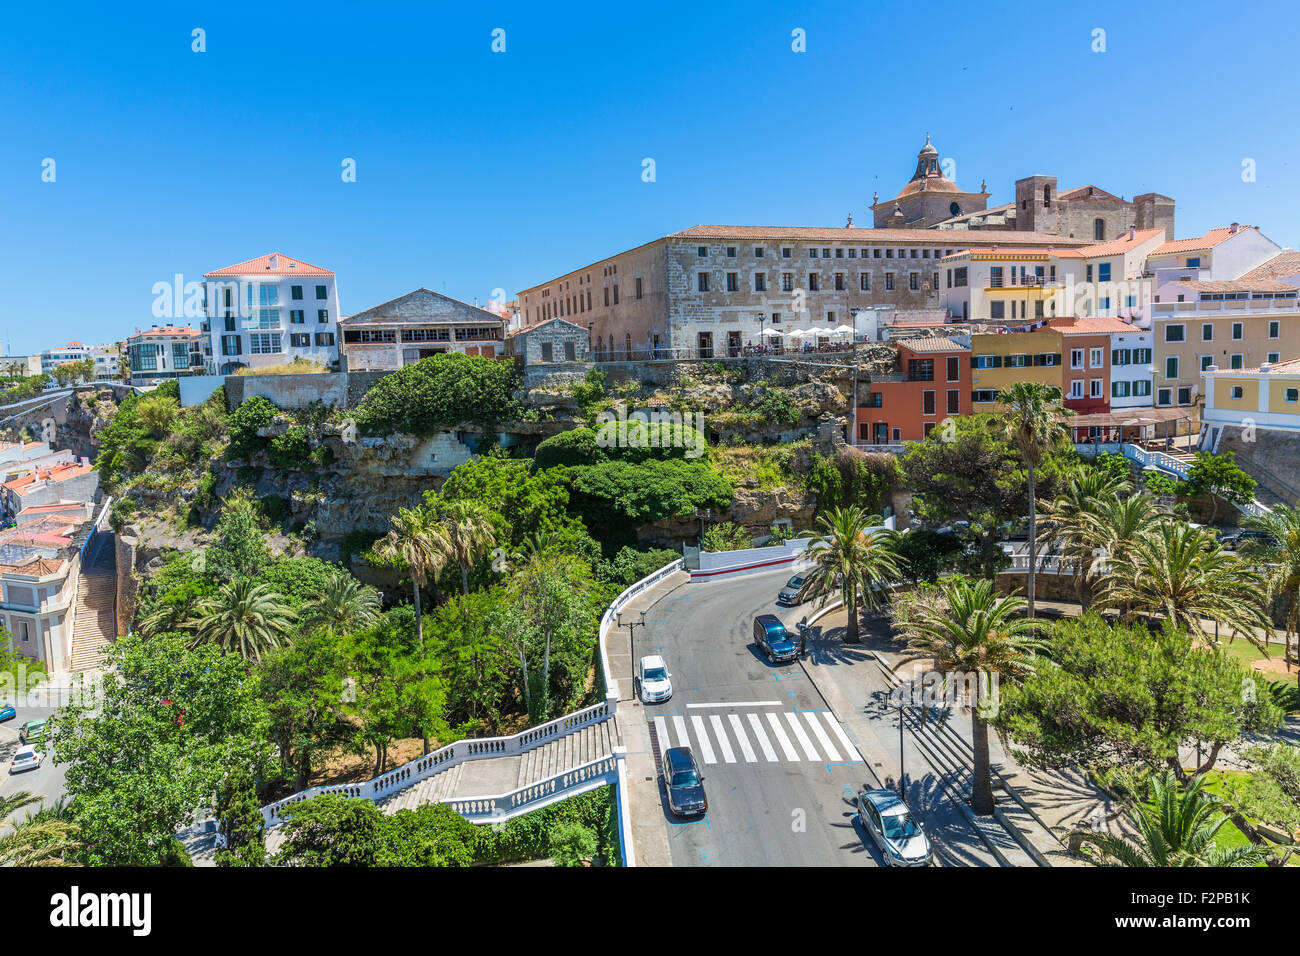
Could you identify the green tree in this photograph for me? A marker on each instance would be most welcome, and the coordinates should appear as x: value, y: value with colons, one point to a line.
x: 1076, y: 527
x: 1033, y: 416
x: 1277, y: 557
x: 430, y: 835
x: 303, y: 686
x: 238, y: 547
x: 436, y: 393
x: 726, y: 536
x: 332, y: 830
x: 572, y: 844
x: 169, y: 725
x: 467, y: 528
x: 520, y: 501
x: 252, y: 414
x: 157, y: 412
x: 344, y: 604
x: 1126, y: 696
x: 1219, y: 476
x: 616, y: 497
x: 853, y: 554
x: 240, y: 822
x: 1177, y: 828
x: 977, y: 635
x: 243, y: 618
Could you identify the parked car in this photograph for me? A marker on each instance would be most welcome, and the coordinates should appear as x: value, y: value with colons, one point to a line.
x: 771, y: 637
x: 684, y: 783
x: 901, y: 839
x: 28, y: 758
x: 1233, y: 540
x: 7, y: 712
x: 795, y: 590
x: 32, y: 732
x: 656, y: 682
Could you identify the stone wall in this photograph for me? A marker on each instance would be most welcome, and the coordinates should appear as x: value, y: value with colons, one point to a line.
x: 1270, y: 459
x: 125, y: 547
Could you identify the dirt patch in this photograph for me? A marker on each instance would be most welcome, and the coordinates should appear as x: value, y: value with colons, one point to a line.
x: 1274, y: 665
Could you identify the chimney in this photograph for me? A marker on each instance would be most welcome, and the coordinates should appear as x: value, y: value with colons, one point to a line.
x: 1232, y: 230
x: 1132, y: 233
x: 273, y: 262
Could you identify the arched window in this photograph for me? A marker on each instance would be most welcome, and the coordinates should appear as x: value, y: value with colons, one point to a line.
x: 954, y: 209
x: 1099, y: 229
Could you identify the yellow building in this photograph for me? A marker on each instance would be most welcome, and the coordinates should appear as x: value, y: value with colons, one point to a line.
x: 1265, y: 397
x: 1000, y: 359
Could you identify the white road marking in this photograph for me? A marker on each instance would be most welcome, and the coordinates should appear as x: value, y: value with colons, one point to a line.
x: 781, y: 738
x: 661, y: 731
x: 679, y: 725
x: 804, y: 742
x: 724, y: 743
x: 740, y: 703
x: 849, y: 749
x: 741, y: 739
x: 816, y: 727
x: 763, y: 742
x: 702, y: 736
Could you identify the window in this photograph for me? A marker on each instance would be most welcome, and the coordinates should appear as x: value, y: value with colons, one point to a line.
x: 325, y: 338
x: 997, y: 310
x: 1120, y: 356
x: 760, y: 282
x: 785, y: 252
x: 1206, y: 361
x: 1087, y: 272
x: 1076, y: 388
x: 1103, y: 272
x: 616, y: 293
x: 812, y: 253
x: 758, y: 252
x: 1184, y: 396
x: 1098, y: 229
x: 986, y: 361
x: 264, y: 343
x: 1293, y: 395
x: 548, y: 354
x: 1174, y: 333
x: 927, y: 402
x: 230, y: 345
x: 296, y: 317
x: 1171, y: 366
x: 959, y: 277
x: 914, y: 281
x: 839, y: 282
x: 733, y: 282
x: 731, y: 252
x: 954, y: 368
x: 1094, y: 388
x: 864, y: 282
x: 1094, y: 358
x: 1273, y: 358
x: 889, y: 282
x: 1142, y: 387
x: 1236, y: 361
x: 701, y: 283
x: 1236, y: 331
x: 839, y: 253
x: 920, y: 370
x: 875, y: 400
x: 1238, y: 391
x: 322, y: 315
x: 1047, y: 359
x: 300, y: 340
x: 702, y: 251
x: 1076, y: 358
x: 1164, y: 396
x: 1141, y: 356
x: 638, y: 285
x: 1119, y: 389
x: 1194, y: 262
x: 954, y: 401
x: 787, y: 281
x: 320, y: 292
x: 295, y: 292
x: 1274, y: 329
x: 984, y: 395
x: 1207, y: 331
x: 814, y: 282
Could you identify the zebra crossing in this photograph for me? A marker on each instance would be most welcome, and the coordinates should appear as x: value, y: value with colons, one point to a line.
x: 796, y: 736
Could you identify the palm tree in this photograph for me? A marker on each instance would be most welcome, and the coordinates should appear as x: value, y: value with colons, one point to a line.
x: 1075, y: 528
x: 853, y: 553
x: 977, y: 634
x: 245, y: 617
x: 1177, y: 828
x: 344, y: 605
x: 1182, y: 574
x: 39, y: 840
x: 418, y: 542
x: 1278, y: 557
x: 1033, y: 420
x: 469, y: 533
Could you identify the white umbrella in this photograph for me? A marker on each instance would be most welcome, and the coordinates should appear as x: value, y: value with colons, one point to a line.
x: 800, y: 333
x: 845, y: 330
x: 771, y: 333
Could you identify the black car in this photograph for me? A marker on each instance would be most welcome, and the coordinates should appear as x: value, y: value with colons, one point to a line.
x: 1233, y: 540
x: 685, y: 785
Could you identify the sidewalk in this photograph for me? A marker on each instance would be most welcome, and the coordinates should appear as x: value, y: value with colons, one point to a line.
x: 649, y: 832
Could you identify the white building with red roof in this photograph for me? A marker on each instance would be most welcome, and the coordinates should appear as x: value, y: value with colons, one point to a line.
x: 269, y: 311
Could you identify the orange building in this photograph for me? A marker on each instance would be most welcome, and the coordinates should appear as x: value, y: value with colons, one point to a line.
x: 933, y: 381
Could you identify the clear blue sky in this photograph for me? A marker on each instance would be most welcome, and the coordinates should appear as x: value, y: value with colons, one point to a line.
x: 478, y: 170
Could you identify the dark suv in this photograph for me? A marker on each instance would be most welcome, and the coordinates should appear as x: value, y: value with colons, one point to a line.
x: 771, y: 638
x: 684, y: 783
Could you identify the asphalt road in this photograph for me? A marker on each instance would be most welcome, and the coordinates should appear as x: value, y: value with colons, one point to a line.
x: 47, y: 780
x: 780, y: 769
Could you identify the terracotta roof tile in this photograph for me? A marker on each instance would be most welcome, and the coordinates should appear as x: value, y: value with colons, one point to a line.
x: 1207, y: 241
x: 1284, y: 265
x: 272, y: 264
x: 1236, y: 285
x: 936, y: 343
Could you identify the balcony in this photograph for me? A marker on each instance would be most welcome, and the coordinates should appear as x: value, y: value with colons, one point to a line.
x: 1024, y: 282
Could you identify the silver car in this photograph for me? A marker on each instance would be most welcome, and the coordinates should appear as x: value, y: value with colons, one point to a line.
x: 901, y: 839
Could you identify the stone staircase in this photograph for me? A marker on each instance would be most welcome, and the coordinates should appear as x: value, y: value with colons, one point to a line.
x: 95, y: 626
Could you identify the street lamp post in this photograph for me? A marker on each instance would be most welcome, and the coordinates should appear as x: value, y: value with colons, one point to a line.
x: 708, y: 513
x: 631, y: 646
x: 902, y: 767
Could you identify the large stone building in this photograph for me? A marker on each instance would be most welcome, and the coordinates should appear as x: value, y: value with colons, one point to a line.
x: 418, y: 325
x: 709, y: 291
x: 928, y: 199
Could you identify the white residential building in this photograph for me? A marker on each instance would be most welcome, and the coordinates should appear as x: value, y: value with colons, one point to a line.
x: 269, y: 311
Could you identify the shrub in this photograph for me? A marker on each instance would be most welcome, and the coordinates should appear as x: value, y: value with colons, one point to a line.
x: 778, y: 407
x: 631, y: 565
x: 572, y: 844
x: 156, y: 412
x: 618, y: 496
x: 292, y: 450
x: 253, y: 414
x: 726, y: 537
x: 436, y: 393
x: 574, y: 447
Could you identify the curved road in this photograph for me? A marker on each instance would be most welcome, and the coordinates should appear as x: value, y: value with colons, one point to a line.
x: 780, y: 769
